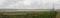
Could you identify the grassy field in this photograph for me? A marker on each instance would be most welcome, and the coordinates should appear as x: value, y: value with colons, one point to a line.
x: 29, y: 14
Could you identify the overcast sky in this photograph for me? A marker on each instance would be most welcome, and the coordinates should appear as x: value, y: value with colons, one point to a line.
x: 29, y: 4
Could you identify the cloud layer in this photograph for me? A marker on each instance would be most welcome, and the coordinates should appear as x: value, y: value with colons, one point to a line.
x: 29, y: 4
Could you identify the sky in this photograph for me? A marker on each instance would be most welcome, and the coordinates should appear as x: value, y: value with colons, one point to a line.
x: 29, y: 4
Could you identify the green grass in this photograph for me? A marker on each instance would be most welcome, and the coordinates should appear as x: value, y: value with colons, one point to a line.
x: 32, y: 14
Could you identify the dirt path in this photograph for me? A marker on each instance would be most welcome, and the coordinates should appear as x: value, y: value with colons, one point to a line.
x: 58, y: 14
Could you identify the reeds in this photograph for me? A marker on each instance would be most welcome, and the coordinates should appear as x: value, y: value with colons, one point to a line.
x: 43, y: 14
